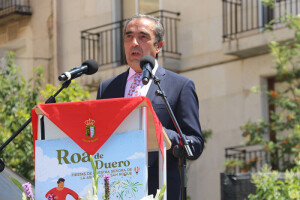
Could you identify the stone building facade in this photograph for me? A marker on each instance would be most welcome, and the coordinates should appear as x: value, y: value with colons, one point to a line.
x: 212, y: 42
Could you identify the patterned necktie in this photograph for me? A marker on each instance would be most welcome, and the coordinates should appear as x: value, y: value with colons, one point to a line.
x: 134, y: 89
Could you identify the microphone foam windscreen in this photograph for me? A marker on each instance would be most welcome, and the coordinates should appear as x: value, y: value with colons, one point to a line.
x: 147, y: 59
x: 92, y: 66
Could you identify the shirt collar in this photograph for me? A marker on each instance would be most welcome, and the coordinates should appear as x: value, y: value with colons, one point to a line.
x: 131, y: 73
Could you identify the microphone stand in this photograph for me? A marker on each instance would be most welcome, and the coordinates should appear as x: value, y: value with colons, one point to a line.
x: 181, y: 151
x: 49, y: 100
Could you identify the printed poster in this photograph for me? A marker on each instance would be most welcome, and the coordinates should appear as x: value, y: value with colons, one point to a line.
x: 122, y: 158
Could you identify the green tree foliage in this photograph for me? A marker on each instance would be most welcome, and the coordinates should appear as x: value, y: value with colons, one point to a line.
x: 284, y: 122
x: 273, y: 185
x: 286, y: 118
x: 73, y: 93
x: 17, y: 98
x: 206, y: 134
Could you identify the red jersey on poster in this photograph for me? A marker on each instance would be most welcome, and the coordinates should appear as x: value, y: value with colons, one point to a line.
x: 61, y: 194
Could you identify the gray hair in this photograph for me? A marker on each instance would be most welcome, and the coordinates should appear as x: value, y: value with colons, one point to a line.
x: 158, y: 29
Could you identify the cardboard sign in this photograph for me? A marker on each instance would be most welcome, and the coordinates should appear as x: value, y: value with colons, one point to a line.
x: 123, y: 158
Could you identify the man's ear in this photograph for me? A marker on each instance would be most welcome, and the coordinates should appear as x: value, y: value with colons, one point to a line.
x: 159, y: 46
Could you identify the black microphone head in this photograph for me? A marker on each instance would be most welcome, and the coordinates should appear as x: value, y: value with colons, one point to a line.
x: 147, y: 59
x: 92, y: 66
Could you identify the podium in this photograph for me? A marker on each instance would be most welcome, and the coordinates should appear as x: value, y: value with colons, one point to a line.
x: 118, y: 133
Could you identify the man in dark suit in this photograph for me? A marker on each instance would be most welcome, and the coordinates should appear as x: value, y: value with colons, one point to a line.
x: 143, y: 35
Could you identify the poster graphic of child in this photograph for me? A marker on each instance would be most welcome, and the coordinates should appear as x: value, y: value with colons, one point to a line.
x: 60, y: 192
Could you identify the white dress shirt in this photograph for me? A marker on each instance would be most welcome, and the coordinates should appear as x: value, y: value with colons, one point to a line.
x: 143, y: 89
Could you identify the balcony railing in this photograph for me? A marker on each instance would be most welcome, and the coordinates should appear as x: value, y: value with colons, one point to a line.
x: 253, y: 158
x: 21, y: 7
x: 105, y: 43
x: 246, y: 16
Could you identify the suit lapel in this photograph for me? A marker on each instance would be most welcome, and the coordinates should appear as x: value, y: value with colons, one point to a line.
x: 123, y: 81
x: 160, y: 73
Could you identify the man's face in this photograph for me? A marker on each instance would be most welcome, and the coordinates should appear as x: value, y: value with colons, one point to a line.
x: 139, y: 41
x: 61, y: 185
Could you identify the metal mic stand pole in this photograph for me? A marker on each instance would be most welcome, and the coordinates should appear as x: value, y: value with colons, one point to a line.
x: 50, y: 100
x: 181, y: 151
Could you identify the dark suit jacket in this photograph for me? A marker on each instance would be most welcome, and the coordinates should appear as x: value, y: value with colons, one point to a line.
x: 183, y: 100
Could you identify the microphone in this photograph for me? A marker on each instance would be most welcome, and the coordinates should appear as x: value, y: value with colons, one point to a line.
x: 88, y: 67
x: 147, y: 63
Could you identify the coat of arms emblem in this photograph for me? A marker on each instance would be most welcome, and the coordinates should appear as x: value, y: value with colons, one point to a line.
x: 90, y: 128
